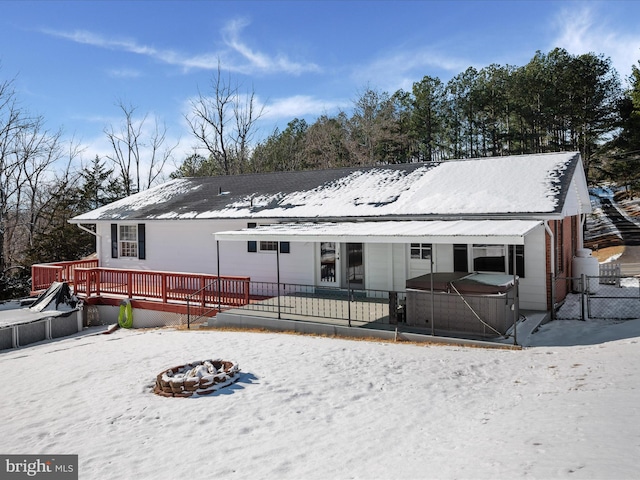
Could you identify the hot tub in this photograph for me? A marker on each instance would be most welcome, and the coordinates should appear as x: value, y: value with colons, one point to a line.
x: 483, y: 304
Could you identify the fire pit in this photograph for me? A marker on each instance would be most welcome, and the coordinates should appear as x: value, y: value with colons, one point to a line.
x: 197, y: 378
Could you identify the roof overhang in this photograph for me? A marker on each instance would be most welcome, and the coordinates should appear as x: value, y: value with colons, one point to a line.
x: 511, y: 232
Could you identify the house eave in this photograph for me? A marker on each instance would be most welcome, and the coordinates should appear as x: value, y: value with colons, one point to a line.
x: 512, y: 232
x: 335, y: 219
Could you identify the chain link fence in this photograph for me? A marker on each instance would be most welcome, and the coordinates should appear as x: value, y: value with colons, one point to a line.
x: 602, y: 297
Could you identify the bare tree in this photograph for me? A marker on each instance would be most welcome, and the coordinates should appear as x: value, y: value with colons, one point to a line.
x: 374, y: 134
x: 30, y: 158
x: 224, y: 123
x: 38, y: 153
x: 139, y: 156
x: 326, y: 143
x: 13, y: 122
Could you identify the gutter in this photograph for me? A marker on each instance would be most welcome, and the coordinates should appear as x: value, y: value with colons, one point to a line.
x: 95, y: 234
x: 82, y: 227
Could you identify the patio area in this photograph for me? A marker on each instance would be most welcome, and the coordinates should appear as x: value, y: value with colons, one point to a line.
x: 381, y: 314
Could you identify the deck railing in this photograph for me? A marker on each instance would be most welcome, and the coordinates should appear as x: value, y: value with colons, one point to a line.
x: 44, y: 274
x: 165, y: 286
x: 352, y: 306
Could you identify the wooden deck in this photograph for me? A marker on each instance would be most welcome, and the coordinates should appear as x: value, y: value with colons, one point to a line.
x: 178, y: 292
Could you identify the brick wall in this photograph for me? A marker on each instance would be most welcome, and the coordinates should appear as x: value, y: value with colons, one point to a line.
x: 565, y: 234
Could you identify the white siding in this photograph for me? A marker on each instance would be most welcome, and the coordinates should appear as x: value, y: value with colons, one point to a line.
x: 386, y: 266
x: 533, y: 290
x: 378, y: 266
x: 178, y: 246
x: 190, y: 246
x: 443, y: 258
x: 295, y: 267
x: 399, y: 266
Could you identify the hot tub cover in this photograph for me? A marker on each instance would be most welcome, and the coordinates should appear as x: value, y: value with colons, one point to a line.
x: 465, y: 282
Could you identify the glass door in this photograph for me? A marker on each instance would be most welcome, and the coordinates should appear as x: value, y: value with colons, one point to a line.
x: 355, y: 266
x: 329, y: 264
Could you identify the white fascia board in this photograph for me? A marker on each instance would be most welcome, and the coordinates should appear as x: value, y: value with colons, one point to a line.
x: 510, y: 232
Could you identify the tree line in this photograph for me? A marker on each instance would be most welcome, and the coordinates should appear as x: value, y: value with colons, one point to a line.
x: 556, y: 102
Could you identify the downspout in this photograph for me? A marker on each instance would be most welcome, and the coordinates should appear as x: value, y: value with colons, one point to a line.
x: 552, y: 265
x: 82, y: 227
x: 98, y: 238
x: 583, y: 220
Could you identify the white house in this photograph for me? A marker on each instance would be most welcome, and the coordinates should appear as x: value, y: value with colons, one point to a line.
x: 370, y: 227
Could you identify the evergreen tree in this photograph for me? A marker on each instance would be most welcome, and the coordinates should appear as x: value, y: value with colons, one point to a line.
x: 98, y: 186
x: 196, y: 165
x: 374, y: 134
x: 619, y: 159
x: 282, y: 151
x: 56, y: 239
x: 596, y: 90
x: 427, y: 122
x: 326, y: 144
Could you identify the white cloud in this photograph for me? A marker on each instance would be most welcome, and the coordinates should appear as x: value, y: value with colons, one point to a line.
x: 258, y: 61
x: 124, y: 73
x: 588, y: 29
x: 238, y: 57
x: 301, y: 106
x: 171, y: 57
x: 401, y: 69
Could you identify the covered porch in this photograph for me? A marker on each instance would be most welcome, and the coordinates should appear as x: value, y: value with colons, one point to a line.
x: 421, y: 236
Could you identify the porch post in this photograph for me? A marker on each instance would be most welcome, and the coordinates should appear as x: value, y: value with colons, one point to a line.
x: 516, y: 301
x: 218, y: 267
x: 433, y: 321
x: 348, y: 292
x: 278, y: 275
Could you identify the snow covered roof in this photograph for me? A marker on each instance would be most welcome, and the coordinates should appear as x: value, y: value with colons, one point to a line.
x: 434, y: 231
x: 527, y: 185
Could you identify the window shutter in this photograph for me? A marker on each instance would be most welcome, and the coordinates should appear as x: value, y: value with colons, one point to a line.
x: 114, y: 240
x: 142, y: 242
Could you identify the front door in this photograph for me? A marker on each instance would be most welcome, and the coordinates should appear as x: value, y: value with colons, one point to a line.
x: 329, y: 264
x: 355, y: 266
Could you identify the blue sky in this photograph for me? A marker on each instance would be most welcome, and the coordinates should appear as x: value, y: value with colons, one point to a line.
x: 72, y: 61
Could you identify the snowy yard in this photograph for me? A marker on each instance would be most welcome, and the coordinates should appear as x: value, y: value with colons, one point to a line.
x: 326, y: 408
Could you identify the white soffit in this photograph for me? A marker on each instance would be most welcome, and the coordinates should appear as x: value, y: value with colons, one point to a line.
x: 510, y: 232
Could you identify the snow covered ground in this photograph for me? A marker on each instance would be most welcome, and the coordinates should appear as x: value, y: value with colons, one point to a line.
x: 326, y: 408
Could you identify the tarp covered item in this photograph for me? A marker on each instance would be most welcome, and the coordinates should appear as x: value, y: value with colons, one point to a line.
x: 58, y: 293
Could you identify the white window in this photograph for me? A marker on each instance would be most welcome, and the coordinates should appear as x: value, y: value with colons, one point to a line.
x: 420, y: 251
x: 268, y: 246
x: 128, y: 241
x: 498, y: 258
x: 489, y: 258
